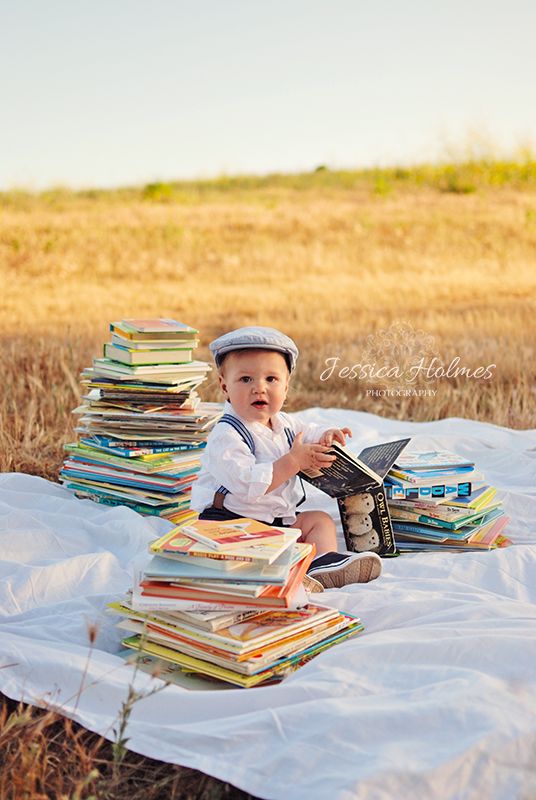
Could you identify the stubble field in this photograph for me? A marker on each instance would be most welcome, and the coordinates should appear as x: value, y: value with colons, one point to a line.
x: 360, y: 267
x: 393, y: 268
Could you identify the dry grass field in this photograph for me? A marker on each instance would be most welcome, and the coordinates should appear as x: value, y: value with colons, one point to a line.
x: 333, y: 259
x: 379, y: 267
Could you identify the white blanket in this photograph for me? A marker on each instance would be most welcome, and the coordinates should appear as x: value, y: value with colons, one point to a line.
x: 436, y: 699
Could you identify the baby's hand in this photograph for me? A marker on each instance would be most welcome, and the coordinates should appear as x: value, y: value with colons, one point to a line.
x: 335, y: 435
x: 310, y: 456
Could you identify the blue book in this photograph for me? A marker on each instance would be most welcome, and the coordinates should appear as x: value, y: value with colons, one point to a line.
x: 169, y: 570
x: 431, y: 460
x: 135, y: 449
x: 435, y: 473
x: 122, y: 481
x: 399, y: 490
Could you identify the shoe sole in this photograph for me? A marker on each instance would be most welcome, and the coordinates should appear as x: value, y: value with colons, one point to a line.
x: 363, y: 569
x: 311, y: 585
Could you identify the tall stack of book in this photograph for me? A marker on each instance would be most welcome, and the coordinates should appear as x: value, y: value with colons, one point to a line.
x: 440, y: 501
x: 225, y: 601
x: 142, y: 425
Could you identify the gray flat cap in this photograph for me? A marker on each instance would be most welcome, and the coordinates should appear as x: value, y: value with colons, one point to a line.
x: 255, y: 337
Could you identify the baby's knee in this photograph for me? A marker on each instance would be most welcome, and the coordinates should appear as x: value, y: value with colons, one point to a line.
x: 325, y: 520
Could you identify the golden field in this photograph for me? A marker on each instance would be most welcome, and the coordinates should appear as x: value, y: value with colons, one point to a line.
x: 447, y: 255
x: 384, y: 267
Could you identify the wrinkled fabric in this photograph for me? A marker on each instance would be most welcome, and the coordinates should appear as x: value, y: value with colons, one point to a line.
x: 436, y: 699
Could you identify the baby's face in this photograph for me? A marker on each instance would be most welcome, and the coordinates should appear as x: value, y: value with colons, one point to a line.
x: 256, y: 383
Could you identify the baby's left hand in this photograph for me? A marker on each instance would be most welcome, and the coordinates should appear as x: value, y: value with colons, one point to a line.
x: 334, y: 435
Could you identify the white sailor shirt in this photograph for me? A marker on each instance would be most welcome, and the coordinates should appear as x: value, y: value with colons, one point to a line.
x: 228, y: 461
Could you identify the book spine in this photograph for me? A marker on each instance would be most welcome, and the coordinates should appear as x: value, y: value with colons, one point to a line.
x: 112, y: 501
x: 440, y: 523
x: 423, y: 530
x: 113, y: 443
x: 222, y: 556
x: 395, y: 491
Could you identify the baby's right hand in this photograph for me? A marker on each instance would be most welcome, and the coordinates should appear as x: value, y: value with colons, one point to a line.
x: 310, y: 456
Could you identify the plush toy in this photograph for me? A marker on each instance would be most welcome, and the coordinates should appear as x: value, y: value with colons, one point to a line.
x: 367, y: 541
x: 358, y: 524
x: 359, y: 503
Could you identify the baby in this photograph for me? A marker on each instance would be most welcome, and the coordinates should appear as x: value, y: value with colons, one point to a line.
x: 255, y: 452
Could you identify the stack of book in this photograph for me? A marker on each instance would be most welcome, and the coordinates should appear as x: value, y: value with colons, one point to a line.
x: 440, y: 501
x: 142, y: 425
x: 225, y: 601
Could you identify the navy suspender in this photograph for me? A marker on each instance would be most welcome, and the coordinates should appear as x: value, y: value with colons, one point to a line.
x: 241, y: 429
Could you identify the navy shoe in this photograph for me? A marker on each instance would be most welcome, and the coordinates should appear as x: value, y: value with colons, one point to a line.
x: 334, y: 570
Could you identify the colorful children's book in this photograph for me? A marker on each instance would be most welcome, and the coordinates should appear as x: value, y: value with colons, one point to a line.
x: 177, y: 543
x: 105, y: 366
x: 162, y: 482
x: 244, y: 661
x: 282, y: 667
x: 431, y: 460
x: 397, y: 489
x: 119, y: 449
x: 446, y: 519
x: 477, y: 499
x: 243, y: 638
x: 439, y: 532
x: 152, y: 344
x: 141, y: 329
x: 426, y: 477
x: 171, y: 570
x: 199, y: 620
x: 270, y: 597
x: 183, y: 460
x: 172, y: 673
x: 227, y: 534
x: 138, y: 357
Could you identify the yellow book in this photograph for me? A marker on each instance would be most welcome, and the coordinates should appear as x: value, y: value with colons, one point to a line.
x: 179, y: 542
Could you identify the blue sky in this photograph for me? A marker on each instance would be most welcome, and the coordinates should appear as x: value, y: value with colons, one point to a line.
x: 115, y: 92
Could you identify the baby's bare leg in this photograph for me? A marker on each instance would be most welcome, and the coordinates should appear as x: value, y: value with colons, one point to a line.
x: 317, y: 527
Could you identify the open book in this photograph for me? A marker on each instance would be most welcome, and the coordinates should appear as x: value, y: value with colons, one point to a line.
x: 357, y: 484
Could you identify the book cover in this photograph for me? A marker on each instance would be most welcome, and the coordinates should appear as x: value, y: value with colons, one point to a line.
x: 152, y: 328
x: 198, y: 620
x: 271, y: 597
x: 177, y: 543
x: 148, y: 357
x: 241, y: 531
x: 151, y: 344
x: 242, y: 638
x: 452, y: 519
x: 477, y: 499
x: 246, y: 662
x: 106, y: 366
x: 170, y: 569
x: 281, y: 668
x: 423, y: 477
x: 436, y: 490
x: 172, y: 673
x: 431, y: 459
x: 357, y: 484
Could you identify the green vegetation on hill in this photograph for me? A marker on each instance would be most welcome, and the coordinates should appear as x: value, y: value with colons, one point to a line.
x: 463, y: 177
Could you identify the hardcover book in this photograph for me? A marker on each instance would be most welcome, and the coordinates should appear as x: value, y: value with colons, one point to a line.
x: 177, y: 543
x: 141, y: 329
x: 136, y: 357
x: 357, y: 484
x: 227, y: 534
